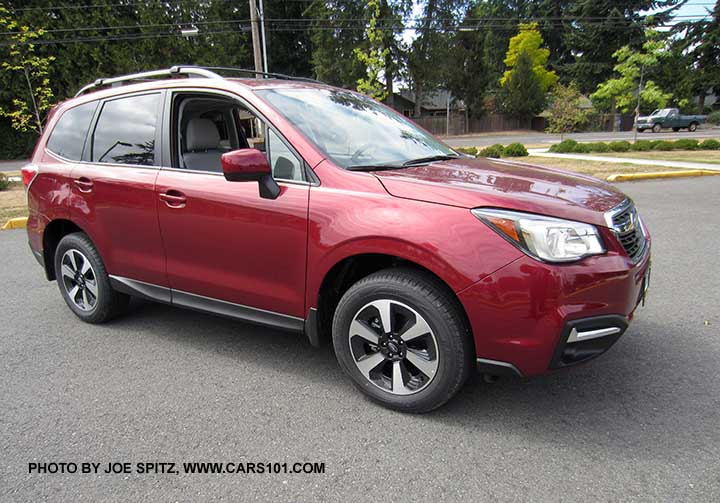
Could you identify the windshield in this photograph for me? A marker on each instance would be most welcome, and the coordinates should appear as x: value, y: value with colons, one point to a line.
x: 660, y: 113
x: 353, y: 130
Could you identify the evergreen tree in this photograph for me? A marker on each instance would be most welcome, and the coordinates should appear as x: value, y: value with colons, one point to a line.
x: 523, y: 96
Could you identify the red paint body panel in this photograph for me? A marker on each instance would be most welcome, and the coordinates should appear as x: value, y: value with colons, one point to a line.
x: 229, y: 243
x: 518, y: 312
x: 199, y: 233
x: 470, y: 183
x: 119, y: 213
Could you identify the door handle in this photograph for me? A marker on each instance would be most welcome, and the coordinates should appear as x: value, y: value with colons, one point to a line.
x: 83, y: 184
x: 173, y: 198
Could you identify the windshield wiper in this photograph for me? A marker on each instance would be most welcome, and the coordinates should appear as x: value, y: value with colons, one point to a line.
x: 432, y: 158
x: 373, y: 167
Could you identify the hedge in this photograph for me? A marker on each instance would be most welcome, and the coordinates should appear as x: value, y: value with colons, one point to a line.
x: 573, y: 147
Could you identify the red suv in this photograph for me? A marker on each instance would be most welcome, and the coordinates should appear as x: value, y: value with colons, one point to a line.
x: 314, y: 209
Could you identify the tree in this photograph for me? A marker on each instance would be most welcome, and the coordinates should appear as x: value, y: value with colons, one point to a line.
x: 372, y: 56
x: 595, y: 30
x: 565, y: 112
x: 700, y: 43
x: 530, y: 42
x: 523, y: 95
x: 29, y: 106
x: 622, y: 89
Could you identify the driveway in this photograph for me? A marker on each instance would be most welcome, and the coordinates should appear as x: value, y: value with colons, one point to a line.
x: 532, y: 138
x: 639, y: 423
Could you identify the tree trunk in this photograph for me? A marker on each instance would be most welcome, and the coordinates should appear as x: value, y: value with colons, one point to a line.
x: 701, y: 102
x: 34, y: 103
x: 389, y: 75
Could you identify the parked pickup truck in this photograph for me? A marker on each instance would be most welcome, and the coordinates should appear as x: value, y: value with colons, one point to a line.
x: 669, y: 118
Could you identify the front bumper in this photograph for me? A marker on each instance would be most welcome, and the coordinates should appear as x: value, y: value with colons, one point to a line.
x: 533, y: 317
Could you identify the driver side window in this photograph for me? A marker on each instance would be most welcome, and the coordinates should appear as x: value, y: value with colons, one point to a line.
x: 206, y: 126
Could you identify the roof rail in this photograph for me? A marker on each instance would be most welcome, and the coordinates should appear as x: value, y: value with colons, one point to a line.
x: 189, y: 71
x: 256, y: 72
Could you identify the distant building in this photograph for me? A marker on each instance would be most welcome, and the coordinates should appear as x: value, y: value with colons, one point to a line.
x: 432, y: 105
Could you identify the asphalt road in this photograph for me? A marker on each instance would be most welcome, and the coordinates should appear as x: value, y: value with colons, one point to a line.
x: 641, y: 423
x: 537, y: 138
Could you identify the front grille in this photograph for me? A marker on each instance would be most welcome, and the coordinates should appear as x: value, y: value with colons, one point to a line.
x: 626, y: 225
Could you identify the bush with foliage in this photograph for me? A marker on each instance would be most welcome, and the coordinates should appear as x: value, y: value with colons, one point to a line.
x: 467, y: 150
x: 515, y: 150
x: 710, y: 145
x: 664, y: 145
x: 564, y: 147
x: 596, y: 147
x: 496, y: 151
x: 643, y: 145
x: 714, y: 118
x: 619, y: 146
x: 686, y: 144
x: 4, y: 182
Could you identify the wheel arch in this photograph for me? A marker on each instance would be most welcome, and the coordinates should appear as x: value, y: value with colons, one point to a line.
x: 52, y: 234
x: 347, y: 271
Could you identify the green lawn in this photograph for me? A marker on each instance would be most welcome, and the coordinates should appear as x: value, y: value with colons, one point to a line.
x: 704, y: 156
x: 598, y: 169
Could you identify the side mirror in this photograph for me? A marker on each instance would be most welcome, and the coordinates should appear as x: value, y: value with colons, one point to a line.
x: 250, y: 165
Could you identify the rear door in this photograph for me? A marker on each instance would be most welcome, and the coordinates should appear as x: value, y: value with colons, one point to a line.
x: 113, y: 189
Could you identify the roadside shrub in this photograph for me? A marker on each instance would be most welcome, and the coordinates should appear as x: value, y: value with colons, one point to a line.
x: 619, y: 146
x: 581, y: 148
x: 714, y: 118
x: 686, y: 144
x: 496, y: 151
x: 642, y: 145
x: 710, y: 145
x: 515, y: 150
x: 564, y: 147
x: 664, y: 145
x: 4, y: 182
x: 468, y: 150
x: 598, y: 147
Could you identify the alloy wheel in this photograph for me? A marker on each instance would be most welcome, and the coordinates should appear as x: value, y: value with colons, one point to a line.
x: 393, y: 347
x: 79, y: 280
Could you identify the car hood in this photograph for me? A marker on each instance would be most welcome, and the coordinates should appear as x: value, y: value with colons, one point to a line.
x: 471, y: 183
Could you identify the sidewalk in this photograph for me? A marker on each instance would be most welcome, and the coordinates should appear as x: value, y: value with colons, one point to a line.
x: 541, y: 152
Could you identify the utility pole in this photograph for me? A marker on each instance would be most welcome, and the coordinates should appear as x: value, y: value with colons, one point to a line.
x: 637, y: 109
x: 262, y: 32
x: 257, y: 56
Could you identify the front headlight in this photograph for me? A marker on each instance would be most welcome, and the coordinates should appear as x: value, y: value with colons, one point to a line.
x: 545, y: 238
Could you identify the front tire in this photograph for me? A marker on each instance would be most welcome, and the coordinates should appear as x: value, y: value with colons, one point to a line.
x: 676, y: 129
x: 693, y: 127
x: 84, y: 282
x: 640, y: 130
x: 403, y: 339
x: 656, y: 128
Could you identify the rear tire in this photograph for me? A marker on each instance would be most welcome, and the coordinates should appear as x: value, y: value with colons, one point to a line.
x: 84, y: 282
x: 403, y: 339
x: 656, y: 128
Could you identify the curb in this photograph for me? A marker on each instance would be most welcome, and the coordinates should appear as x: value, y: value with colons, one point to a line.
x: 15, y: 223
x: 629, y: 177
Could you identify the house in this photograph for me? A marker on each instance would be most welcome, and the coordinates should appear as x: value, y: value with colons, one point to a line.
x: 433, y: 104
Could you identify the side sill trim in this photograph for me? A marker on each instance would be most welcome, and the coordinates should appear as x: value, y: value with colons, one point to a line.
x: 207, y: 304
x: 497, y: 368
x: 238, y: 311
x: 141, y: 289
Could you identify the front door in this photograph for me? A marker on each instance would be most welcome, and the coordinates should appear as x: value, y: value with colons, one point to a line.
x: 222, y: 240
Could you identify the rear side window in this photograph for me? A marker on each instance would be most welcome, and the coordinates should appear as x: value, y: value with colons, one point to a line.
x: 68, y: 137
x: 125, y: 131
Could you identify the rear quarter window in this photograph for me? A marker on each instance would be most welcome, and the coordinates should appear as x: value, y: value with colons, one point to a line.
x: 68, y: 136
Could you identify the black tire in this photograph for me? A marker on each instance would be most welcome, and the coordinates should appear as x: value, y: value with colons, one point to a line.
x: 640, y: 130
x: 104, y: 306
x: 437, y: 306
x: 676, y: 129
x: 656, y: 128
x: 693, y: 127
